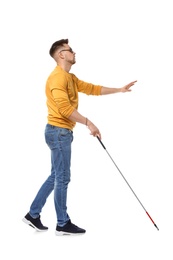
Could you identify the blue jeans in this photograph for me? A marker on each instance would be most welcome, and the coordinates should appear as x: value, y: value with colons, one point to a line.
x: 59, y: 141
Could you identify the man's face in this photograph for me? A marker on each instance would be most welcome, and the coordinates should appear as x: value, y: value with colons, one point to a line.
x: 68, y: 54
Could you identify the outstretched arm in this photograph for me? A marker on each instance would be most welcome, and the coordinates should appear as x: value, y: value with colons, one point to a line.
x: 77, y: 117
x: 126, y: 88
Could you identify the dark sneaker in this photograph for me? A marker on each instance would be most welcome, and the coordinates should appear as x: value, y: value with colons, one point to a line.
x: 34, y: 222
x: 69, y: 229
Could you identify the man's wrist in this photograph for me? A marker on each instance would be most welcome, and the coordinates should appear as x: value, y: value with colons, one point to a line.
x: 88, y: 122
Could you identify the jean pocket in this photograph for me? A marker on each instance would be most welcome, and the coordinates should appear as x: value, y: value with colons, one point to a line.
x: 65, y: 135
x: 64, y: 131
x: 51, y: 137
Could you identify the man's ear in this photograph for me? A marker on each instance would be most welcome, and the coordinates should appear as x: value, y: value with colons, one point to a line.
x: 61, y: 55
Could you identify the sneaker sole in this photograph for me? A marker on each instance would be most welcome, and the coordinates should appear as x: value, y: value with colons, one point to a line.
x: 62, y: 233
x: 31, y: 225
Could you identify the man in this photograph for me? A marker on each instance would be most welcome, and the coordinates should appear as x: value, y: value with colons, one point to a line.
x: 62, y: 89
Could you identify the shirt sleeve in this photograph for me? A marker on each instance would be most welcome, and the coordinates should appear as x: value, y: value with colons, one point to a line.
x: 58, y: 87
x: 87, y: 88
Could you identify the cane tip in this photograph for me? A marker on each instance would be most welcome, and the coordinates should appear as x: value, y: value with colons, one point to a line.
x: 156, y: 227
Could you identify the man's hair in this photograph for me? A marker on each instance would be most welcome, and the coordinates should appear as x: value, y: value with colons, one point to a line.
x: 56, y: 45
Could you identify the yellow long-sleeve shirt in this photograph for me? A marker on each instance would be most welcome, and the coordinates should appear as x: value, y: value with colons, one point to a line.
x: 62, y: 96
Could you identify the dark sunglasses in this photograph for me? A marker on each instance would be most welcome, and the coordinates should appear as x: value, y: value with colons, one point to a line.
x: 70, y: 50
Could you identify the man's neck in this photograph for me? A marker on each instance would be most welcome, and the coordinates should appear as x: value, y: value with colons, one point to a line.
x: 65, y: 67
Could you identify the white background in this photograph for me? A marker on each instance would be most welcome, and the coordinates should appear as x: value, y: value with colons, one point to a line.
x: 115, y: 42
